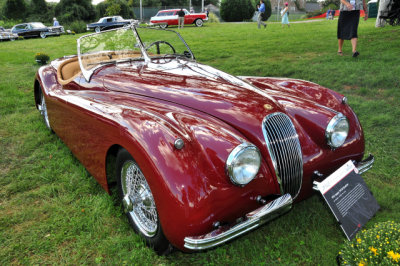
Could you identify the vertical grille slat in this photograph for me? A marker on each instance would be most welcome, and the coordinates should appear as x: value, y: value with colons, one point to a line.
x: 284, y: 147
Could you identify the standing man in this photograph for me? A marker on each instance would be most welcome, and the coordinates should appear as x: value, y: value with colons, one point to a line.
x: 55, y: 22
x: 261, y: 11
x: 181, y: 18
x: 349, y: 17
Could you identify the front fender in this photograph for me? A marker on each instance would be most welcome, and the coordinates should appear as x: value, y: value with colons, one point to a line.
x: 189, y: 185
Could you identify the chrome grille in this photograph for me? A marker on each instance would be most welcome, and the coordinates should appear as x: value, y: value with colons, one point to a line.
x: 285, y: 151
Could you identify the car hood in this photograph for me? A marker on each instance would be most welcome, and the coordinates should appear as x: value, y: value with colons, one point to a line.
x: 206, y: 89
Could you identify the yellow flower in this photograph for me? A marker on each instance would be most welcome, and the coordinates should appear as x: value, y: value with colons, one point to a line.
x: 362, y: 263
x: 377, y: 236
x: 373, y: 250
x: 359, y: 240
x: 394, y: 256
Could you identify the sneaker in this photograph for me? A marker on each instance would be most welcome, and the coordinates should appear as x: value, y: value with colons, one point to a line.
x: 355, y: 54
x: 265, y: 26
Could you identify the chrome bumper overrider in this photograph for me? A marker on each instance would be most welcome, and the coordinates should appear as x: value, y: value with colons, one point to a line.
x: 252, y: 220
x: 366, y: 164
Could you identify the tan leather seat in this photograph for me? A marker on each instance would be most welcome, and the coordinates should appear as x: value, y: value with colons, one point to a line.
x: 68, y: 70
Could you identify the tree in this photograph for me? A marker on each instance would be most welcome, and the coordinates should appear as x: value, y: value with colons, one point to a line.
x: 114, y: 7
x: 71, y: 10
x: 334, y: 4
x: 14, y: 9
x: 206, y: 2
x: 38, y: 6
x: 39, y: 11
x: 236, y: 10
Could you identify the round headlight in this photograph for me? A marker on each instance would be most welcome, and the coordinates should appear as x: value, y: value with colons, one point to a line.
x: 243, y: 164
x: 337, y: 130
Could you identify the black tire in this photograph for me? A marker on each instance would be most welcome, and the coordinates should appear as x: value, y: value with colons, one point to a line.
x: 163, y: 26
x: 97, y: 29
x: 198, y: 22
x: 42, y: 107
x: 127, y: 168
x: 42, y: 34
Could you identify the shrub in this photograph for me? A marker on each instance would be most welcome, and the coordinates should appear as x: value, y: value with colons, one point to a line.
x: 77, y: 26
x: 9, y: 23
x: 212, y: 18
x: 379, y: 245
x: 42, y: 58
x: 236, y: 10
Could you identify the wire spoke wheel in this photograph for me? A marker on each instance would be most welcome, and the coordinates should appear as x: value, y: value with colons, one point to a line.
x: 43, y: 111
x: 135, y: 186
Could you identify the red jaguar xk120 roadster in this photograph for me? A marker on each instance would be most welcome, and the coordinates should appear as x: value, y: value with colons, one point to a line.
x: 201, y: 156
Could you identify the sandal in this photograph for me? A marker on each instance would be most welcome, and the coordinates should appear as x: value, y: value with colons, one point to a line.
x: 355, y: 54
x: 340, y: 53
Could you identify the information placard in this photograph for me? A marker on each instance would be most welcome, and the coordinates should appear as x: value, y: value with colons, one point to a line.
x: 349, y: 198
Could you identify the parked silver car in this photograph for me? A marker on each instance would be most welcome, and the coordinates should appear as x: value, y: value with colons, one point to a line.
x: 6, y: 35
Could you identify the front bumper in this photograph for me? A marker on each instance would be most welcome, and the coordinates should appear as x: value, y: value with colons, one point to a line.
x: 365, y: 165
x: 254, y: 219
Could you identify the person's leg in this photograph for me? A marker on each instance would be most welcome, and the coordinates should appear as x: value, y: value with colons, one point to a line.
x: 354, y: 44
x: 340, y: 43
x: 259, y: 20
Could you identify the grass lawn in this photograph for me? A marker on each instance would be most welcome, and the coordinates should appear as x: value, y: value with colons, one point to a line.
x: 53, y: 212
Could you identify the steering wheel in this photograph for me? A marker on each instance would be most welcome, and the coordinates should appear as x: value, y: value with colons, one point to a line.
x: 157, y: 44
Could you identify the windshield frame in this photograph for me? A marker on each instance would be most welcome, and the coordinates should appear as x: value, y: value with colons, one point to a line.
x: 147, y: 59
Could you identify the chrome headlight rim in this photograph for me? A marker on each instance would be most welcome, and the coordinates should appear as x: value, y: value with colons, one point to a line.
x: 233, y: 158
x: 332, y: 128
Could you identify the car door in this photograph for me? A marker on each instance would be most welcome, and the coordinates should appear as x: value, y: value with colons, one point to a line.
x: 73, y: 113
x: 189, y: 18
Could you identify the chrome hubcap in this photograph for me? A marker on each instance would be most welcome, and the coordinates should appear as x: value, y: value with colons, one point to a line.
x: 138, y: 200
x: 43, y: 111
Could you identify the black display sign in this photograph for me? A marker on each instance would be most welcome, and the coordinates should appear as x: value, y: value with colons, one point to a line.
x: 349, y: 199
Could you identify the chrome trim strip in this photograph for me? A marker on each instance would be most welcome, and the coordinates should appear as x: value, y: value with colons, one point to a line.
x: 284, y: 148
x: 253, y: 220
x: 362, y: 167
x: 366, y: 164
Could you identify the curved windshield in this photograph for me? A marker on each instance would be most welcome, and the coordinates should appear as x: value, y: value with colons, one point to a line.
x: 163, y: 43
x: 121, y: 45
x: 108, y: 47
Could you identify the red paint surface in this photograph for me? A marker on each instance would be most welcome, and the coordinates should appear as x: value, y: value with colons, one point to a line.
x: 189, y: 18
x: 144, y: 110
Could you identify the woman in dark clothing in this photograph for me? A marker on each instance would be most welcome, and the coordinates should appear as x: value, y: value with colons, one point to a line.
x: 348, y: 23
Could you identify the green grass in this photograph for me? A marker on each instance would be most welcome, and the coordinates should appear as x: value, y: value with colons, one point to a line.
x: 53, y: 212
